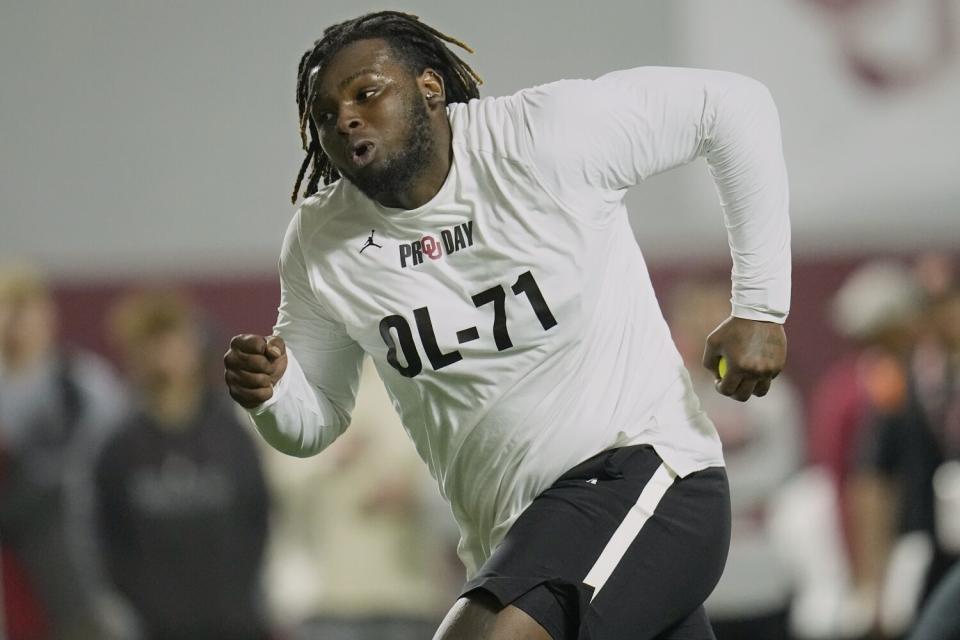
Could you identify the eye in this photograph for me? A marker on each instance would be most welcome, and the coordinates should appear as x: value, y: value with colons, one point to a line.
x: 365, y: 94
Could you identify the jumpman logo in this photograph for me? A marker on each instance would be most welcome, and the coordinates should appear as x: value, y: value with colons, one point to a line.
x: 370, y: 242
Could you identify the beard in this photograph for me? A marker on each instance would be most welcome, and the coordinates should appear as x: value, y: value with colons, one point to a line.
x: 398, y: 170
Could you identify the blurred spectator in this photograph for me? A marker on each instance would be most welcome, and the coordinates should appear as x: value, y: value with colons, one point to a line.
x: 54, y: 406
x: 877, y: 309
x: 905, y: 448
x: 363, y: 548
x: 762, y: 447
x: 181, y: 500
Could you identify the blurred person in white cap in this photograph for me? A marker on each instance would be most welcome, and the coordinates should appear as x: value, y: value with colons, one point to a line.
x: 877, y: 310
x: 56, y: 405
x: 911, y: 453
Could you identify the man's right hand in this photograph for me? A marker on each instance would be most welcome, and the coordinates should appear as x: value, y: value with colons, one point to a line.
x: 254, y: 364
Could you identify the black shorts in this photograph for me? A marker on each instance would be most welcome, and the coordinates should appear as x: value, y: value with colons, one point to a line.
x: 616, y: 549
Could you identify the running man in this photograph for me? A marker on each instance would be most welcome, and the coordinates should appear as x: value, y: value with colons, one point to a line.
x: 511, y: 317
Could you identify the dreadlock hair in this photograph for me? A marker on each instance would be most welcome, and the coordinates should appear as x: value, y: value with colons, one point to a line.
x: 419, y: 46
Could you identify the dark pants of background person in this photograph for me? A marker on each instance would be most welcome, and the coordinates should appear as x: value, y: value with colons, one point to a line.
x: 940, y: 618
x: 773, y: 626
x: 373, y: 628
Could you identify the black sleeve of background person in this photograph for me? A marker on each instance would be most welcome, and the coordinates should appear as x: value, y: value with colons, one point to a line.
x: 256, y: 506
x: 900, y: 447
x: 922, y: 455
x: 111, y: 513
x: 880, y: 443
x: 252, y: 508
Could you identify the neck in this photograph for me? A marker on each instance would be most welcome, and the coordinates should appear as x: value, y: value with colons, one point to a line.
x: 24, y: 359
x: 426, y: 185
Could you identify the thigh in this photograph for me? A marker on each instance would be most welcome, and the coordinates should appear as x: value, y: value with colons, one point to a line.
x: 625, y: 551
x: 660, y: 580
x: 480, y: 617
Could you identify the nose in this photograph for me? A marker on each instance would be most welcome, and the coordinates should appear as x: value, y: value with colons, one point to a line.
x: 348, y: 120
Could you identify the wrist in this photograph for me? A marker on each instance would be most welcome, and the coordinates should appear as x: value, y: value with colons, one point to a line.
x: 759, y: 315
x: 279, y: 390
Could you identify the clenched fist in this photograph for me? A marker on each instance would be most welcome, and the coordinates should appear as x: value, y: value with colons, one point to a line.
x: 253, y: 365
x: 755, y: 352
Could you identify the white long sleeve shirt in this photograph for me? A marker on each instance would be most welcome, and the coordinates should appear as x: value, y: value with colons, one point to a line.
x: 511, y: 317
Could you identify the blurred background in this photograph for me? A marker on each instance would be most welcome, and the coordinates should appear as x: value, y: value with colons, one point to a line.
x: 147, y: 153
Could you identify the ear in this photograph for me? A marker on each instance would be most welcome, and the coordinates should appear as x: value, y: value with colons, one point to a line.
x: 432, y: 89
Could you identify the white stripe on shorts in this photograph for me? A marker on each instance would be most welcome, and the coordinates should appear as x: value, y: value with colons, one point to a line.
x: 628, y: 530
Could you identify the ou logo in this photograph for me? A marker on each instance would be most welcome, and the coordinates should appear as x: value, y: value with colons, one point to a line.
x: 431, y: 248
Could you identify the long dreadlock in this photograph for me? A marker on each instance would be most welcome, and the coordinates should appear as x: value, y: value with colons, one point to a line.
x: 420, y: 46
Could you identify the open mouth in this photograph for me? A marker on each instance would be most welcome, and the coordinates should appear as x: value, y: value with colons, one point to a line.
x: 362, y: 154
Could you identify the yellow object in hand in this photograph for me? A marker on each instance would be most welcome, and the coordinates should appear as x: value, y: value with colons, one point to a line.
x: 722, y: 367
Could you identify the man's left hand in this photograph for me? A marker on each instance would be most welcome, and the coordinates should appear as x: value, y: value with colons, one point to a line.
x: 755, y: 352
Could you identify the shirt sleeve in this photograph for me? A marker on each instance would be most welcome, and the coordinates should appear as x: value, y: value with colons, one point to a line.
x: 312, y: 402
x: 589, y: 140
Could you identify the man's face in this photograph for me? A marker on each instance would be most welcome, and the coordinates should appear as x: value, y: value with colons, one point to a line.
x: 372, y: 118
x: 27, y: 328
x: 947, y: 321
x: 166, y: 358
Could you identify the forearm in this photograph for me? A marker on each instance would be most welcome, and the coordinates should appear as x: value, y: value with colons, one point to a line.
x: 298, y: 419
